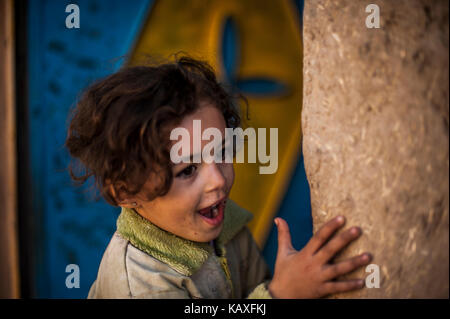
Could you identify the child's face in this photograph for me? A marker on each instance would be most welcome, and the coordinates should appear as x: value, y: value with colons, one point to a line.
x: 195, y: 186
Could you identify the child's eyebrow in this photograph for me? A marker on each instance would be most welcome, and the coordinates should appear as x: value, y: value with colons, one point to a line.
x: 191, y: 157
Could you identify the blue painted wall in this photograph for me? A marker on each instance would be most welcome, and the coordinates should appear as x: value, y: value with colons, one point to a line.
x: 296, y: 210
x: 71, y: 227
x: 296, y: 205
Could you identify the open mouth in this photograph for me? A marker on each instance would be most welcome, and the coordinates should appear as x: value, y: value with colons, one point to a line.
x: 213, y: 214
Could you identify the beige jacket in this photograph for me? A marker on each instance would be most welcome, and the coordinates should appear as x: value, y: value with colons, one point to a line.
x: 144, y: 261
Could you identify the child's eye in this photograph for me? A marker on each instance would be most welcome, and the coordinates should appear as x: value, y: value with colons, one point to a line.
x: 187, y: 172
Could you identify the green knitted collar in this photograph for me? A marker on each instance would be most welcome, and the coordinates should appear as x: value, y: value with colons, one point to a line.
x: 183, y: 255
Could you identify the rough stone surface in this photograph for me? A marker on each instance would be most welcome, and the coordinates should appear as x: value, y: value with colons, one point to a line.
x: 375, y: 124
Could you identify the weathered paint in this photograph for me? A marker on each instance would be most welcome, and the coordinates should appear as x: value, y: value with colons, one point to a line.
x: 70, y: 228
x: 255, y: 47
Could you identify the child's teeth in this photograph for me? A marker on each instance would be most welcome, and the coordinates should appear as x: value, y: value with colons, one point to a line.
x: 212, y: 212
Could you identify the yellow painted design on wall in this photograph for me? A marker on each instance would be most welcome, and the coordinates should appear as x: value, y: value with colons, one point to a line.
x: 269, y: 48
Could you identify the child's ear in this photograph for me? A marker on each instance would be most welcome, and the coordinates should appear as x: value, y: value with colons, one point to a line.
x: 126, y: 203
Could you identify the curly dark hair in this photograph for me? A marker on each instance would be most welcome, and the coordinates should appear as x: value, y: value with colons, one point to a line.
x: 119, y: 129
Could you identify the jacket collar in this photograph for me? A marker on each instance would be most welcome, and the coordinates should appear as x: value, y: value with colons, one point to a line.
x: 183, y: 255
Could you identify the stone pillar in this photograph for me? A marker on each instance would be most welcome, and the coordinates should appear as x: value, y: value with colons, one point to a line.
x: 9, y: 245
x: 375, y: 136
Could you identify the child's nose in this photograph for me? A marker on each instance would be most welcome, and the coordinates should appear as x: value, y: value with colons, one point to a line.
x: 215, y: 178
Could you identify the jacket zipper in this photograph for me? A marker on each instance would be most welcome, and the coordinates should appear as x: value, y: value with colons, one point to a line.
x: 221, y: 254
x: 226, y: 270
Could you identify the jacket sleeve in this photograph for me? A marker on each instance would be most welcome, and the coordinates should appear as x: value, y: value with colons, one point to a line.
x: 257, y: 274
x: 260, y: 292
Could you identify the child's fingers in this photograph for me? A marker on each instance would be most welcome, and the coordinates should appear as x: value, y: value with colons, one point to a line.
x: 284, y: 237
x: 333, y: 287
x: 330, y: 249
x: 324, y: 233
x: 346, y: 266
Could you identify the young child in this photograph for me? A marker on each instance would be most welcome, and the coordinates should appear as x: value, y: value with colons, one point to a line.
x: 179, y: 235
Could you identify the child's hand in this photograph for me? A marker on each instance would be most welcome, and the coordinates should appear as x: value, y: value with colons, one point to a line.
x: 307, y: 273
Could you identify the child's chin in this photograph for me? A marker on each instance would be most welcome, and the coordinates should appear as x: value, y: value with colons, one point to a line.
x: 209, y: 236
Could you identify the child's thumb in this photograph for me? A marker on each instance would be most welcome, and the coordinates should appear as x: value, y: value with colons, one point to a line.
x: 284, y: 236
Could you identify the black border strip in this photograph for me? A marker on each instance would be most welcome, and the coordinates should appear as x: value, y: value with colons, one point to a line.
x: 24, y: 204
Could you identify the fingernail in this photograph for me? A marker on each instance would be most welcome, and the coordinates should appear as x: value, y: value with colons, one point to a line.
x: 340, y: 219
x: 276, y: 221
